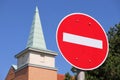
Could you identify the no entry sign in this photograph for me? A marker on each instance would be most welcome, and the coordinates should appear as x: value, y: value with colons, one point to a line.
x: 82, y: 41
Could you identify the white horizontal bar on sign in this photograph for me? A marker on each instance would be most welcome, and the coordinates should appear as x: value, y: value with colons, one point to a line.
x: 81, y: 40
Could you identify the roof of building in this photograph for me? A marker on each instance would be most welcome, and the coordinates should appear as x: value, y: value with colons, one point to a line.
x: 36, y: 37
x: 60, y: 76
x: 36, y: 50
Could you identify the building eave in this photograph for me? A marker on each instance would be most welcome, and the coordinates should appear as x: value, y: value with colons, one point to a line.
x: 35, y: 50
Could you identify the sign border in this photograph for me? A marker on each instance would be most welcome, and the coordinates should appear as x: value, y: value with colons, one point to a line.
x: 101, y: 28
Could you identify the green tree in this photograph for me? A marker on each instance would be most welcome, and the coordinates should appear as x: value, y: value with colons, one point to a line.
x: 67, y: 76
x: 110, y: 70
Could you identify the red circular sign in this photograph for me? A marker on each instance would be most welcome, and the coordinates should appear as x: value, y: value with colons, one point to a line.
x: 82, y: 41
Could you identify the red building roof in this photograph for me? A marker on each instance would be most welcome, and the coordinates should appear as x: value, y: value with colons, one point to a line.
x: 60, y: 76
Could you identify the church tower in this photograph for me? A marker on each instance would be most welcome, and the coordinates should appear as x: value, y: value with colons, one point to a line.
x: 36, y: 62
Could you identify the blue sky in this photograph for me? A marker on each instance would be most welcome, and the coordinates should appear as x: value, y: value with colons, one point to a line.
x: 16, y: 18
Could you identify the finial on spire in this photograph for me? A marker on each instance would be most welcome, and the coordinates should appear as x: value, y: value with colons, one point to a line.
x: 36, y: 37
x: 36, y: 9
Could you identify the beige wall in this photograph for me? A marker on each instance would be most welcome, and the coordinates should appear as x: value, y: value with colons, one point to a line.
x: 42, y: 59
x: 37, y: 59
x: 33, y: 73
x: 23, y: 60
x: 41, y: 74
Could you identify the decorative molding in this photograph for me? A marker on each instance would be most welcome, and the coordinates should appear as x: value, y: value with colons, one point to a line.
x: 38, y: 66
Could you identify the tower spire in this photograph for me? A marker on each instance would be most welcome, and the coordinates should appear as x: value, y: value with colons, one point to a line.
x: 36, y: 37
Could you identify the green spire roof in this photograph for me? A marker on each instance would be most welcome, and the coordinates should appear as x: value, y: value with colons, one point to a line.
x: 36, y: 37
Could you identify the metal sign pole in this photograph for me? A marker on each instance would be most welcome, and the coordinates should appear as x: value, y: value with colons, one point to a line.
x: 81, y: 75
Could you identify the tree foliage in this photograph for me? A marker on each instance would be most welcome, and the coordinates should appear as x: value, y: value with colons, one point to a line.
x: 68, y: 77
x: 110, y: 70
